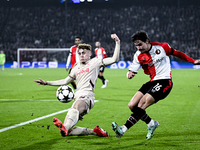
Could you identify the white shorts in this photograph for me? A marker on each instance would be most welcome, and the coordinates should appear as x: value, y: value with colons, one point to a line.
x: 89, y: 101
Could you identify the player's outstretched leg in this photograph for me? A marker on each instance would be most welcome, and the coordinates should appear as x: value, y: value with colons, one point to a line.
x: 105, y: 84
x: 117, y: 129
x: 100, y: 132
x: 60, y: 126
x: 151, y: 130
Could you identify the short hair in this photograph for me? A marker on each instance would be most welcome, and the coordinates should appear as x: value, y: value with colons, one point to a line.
x: 85, y: 46
x: 98, y: 41
x: 77, y: 37
x: 140, y: 35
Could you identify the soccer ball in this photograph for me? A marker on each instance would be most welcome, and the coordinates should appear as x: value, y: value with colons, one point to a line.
x: 65, y: 94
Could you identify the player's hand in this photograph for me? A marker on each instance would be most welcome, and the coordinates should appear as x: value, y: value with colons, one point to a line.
x: 67, y: 69
x: 197, y: 62
x: 130, y: 75
x: 115, y: 37
x: 41, y: 82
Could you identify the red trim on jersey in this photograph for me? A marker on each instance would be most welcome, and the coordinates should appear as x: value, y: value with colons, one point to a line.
x: 167, y: 87
x: 174, y: 52
x: 165, y: 46
x: 73, y: 55
x: 102, y: 51
x: 183, y: 56
x: 146, y: 62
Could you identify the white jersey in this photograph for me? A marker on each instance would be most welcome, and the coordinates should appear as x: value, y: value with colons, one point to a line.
x: 100, y: 53
x: 86, y: 76
x: 155, y: 62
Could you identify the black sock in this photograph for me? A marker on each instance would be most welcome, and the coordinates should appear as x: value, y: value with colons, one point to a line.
x: 138, y: 113
x: 102, y: 79
x: 142, y: 114
x: 133, y: 119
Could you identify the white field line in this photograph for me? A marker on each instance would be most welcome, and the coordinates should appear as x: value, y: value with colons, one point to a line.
x: 7, y: 100
x: 34, y: 120
x: 30, y: 121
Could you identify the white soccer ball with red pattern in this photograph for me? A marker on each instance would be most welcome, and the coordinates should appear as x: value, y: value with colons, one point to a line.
x: 65, y: 94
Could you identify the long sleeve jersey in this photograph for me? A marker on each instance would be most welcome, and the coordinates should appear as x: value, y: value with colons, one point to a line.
x: 156, y: 62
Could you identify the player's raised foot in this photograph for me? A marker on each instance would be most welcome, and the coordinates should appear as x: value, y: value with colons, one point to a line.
x: 105, y: 84
x: 117, y: 129
x: 151, y: 130
x: 60, y: 126
x: 100, y: 132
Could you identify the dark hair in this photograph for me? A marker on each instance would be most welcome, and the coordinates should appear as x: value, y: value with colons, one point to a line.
x: 77, y: 37
x: 140, y: 35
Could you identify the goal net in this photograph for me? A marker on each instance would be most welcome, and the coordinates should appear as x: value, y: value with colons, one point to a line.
x: 42, y: 57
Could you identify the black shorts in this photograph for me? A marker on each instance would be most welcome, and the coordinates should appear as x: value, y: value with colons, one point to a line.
x: 101, y: 69
x: 158, y: 89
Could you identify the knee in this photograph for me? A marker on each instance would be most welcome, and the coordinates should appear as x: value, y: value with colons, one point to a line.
x: 131, y: 106
x: 72, y: 112
x: 80, y: 106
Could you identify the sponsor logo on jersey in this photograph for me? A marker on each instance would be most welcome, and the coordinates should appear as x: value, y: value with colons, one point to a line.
x: 158, y: 60
x: 155, y: 61
x: 82, y: 71
x: 143, y: 58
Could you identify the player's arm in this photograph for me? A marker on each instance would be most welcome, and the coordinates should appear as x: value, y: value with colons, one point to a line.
x: 104, y: 53
x: 133, y: 68
x: 4, y: 59
x: 197, y: 62
x: 182, y: 55
x: 55, y: 83
x: 69, y: 60
x: 115, y: 57
x: 179, y: 54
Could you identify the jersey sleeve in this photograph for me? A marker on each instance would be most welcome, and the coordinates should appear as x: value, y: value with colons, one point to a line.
x: 135, y: 65
x: 96, y: 52
x: 182, y: 56
x: 179, y: 54
x: 103, y: 52
x: 72, y: 74
x: 167, y: 48
x: 69, y: 58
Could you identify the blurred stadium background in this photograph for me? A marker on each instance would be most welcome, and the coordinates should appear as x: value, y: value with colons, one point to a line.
x: 55, y: 24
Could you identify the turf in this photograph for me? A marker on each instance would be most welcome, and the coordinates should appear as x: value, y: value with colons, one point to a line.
x: 22, y: 100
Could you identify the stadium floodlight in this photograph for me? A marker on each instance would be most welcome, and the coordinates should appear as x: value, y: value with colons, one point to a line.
x: 76, y: 1
x: 87, y: 0
x: 62, y: 1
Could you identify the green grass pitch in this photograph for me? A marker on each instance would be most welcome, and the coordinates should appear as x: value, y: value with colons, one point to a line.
x: 21, y: 100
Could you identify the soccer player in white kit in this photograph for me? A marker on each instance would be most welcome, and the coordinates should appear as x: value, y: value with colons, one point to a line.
x: 85, y: 73
x: 154, y: 59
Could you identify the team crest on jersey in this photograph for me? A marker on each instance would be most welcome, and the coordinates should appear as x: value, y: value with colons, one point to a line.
x: 158, y: 51
x: 143, y: 58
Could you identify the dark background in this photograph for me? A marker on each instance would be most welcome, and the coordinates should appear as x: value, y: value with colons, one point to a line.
x: 98, y: 3
x: 52, y: 24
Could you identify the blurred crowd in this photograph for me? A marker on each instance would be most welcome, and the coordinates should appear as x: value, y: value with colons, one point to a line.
x: 54, y: 27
